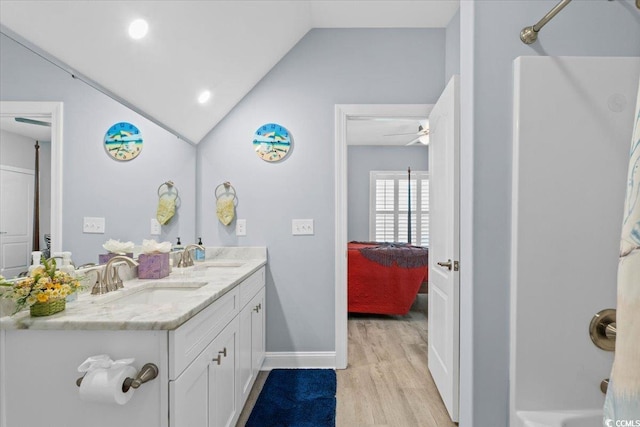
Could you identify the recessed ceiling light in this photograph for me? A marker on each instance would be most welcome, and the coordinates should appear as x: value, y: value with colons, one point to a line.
x: 138, y: 29
x: 204, y: 97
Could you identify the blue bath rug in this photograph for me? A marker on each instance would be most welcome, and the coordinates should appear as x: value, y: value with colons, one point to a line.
x: 296, y: 398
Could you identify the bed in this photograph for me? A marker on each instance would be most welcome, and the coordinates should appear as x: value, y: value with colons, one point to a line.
x: 384, y: 278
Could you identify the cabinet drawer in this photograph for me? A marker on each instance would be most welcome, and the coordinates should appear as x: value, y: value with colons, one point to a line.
x: 186, y: 342
x: 251, y: 286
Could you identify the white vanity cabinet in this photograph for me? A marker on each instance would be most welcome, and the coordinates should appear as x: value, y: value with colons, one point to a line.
x: 214, y: 357
x: 204, y: 395
x: 206, y: 366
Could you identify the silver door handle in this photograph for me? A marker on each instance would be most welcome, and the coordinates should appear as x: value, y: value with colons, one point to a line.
x: 448, y: 265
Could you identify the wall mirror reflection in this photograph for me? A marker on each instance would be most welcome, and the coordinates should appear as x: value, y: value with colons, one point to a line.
x: 30, y: 182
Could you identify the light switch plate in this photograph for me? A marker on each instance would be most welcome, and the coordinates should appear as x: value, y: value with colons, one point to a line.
x: 156, y: 229
x: 302, y: 227
x: 93, y: 225
x: 241, y: 227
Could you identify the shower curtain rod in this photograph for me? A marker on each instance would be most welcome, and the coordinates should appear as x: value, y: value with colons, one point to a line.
x: 529, y: 35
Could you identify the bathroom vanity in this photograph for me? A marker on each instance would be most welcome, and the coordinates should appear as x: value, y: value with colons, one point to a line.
x: 203, y: 327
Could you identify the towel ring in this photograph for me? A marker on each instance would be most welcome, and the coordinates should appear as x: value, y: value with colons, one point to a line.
x: 227, y: 190
x: 170, y: 187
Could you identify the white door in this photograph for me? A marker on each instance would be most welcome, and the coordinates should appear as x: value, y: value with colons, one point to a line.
x: 16, y: 219
x: 444, y: 247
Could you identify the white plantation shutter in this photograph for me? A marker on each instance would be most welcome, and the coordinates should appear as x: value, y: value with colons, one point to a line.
x: 389, y: 204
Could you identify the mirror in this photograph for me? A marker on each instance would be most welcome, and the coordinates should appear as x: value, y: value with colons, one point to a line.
x: 15, y: 249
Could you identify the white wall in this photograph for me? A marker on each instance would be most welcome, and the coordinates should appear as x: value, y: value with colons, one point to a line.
x: 18, y: 151
x: 489, y: 44
x: 325, y: 68
x: 124, y: 193
x: 574, y: 116
x: 452, y: 48
x: 363, y: 159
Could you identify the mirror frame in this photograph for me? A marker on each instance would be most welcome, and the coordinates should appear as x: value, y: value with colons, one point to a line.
x: 54, y: 111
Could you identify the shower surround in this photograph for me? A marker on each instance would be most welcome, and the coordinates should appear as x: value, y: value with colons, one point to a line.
x: 573, y: 119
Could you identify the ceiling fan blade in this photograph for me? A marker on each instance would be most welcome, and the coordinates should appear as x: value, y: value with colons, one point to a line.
x: 402, y: 134
x: 31, y: 121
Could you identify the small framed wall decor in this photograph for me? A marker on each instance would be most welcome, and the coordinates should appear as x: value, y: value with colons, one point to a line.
x: 123, y: 141
x: 272, y: 142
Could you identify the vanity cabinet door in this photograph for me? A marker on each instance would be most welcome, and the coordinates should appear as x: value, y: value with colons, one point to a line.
x: 223, y: 405
x: 258, y: 311
x: 245, y: 357
x: 251, y: 346
x: 188, y: 395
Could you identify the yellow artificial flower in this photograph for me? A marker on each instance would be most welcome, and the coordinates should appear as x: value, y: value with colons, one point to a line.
x: 42, y: 297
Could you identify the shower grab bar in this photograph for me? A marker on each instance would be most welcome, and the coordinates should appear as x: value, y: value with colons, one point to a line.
x: 529, y: 35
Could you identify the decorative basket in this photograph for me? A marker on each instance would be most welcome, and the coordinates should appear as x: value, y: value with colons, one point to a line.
x: 48, y: 308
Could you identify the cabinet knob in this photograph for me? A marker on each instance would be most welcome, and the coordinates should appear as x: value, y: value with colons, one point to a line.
x: 223, y: 352
x: 256, y: 309
x: 217, y: 359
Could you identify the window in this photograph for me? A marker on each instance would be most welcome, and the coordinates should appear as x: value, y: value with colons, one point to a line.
x: 389, y: 219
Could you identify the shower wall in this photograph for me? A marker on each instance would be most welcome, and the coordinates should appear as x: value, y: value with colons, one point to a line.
x: 572, y: 126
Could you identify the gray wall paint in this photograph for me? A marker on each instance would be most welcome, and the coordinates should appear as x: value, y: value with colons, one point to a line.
x: 491, y: 38
x: 325, y: 68
x: 18, y: 151
x: 125, y: 193
x: 363, y: 159
x: 452, y: 48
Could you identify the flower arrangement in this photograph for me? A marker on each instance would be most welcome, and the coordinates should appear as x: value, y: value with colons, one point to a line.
x: 44, y: 284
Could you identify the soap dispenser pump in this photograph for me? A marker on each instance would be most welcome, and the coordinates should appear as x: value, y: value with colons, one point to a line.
x: 199, y: 252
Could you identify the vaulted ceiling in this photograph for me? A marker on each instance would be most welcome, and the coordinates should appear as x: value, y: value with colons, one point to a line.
x: 224, y: 47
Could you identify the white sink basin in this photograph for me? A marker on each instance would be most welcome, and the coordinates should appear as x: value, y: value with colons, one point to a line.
x: 158, y: 293
x: 218, y: 264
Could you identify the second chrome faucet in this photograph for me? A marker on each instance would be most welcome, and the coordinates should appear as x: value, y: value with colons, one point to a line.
x: 186, y: 260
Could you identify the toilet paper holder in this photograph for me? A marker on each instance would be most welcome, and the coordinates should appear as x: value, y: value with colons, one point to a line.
x: 148, y: 372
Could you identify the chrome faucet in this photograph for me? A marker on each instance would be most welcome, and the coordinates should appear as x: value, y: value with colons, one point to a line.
x: 97, y: 288
x: 186, y: 260
x: 110, y: 278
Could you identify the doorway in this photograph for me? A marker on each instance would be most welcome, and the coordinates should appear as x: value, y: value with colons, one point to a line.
x: 49, y: 112
x: 343, y: 114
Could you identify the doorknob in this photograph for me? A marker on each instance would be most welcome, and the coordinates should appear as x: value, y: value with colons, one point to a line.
x: 448, y: 265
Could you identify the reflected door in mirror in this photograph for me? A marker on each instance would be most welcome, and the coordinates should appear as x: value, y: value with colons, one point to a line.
x: 16, y: 215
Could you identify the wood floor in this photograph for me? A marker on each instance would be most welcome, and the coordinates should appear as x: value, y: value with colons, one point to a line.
x: 387, y: 383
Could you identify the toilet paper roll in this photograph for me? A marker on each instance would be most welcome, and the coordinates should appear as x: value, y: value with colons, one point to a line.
x: 105, y: 385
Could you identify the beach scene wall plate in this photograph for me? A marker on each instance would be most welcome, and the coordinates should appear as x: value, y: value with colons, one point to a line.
x: 123, y: 141
x: 272, y: 142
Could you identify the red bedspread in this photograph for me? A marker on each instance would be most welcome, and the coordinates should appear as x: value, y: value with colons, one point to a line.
x: 374, y: 288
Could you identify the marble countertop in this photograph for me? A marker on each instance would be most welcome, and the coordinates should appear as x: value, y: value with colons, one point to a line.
x: 222, y: 270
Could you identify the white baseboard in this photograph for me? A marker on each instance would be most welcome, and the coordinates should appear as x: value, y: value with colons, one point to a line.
x: 299, y: 360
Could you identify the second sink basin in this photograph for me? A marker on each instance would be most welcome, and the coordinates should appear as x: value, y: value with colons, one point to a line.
x: 217, y: 264
x: 158, y: 293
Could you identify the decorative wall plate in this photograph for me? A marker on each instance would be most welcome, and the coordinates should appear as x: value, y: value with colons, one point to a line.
x: 123, y: 141
x: 272, y: 142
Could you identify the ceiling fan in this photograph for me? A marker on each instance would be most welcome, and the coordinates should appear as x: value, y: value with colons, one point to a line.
x: 32, y: 121
x: 422, y: 136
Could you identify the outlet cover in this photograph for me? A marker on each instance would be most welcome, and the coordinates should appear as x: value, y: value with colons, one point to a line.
x: 302, y: 227
x: 94, y: 225
x: 155, y: 227
x: 241, y: 227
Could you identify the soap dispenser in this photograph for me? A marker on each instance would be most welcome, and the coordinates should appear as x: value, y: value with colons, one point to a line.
x: 199, y: 252
x: 36, y: 257
x: 178, y: 246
